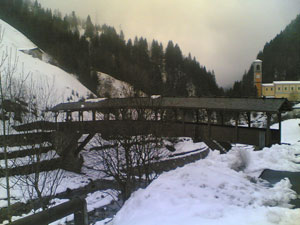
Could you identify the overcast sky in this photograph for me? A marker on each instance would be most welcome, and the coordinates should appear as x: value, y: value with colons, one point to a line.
x: 223, y: 35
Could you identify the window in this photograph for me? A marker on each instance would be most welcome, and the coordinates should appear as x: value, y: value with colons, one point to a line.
x: 292, y: 88
x: 285, y: 88
x: 298, y: 88
x: 258, y: 67
x: 266, y: 89
x: 271, y: 89
x: 278, y: 89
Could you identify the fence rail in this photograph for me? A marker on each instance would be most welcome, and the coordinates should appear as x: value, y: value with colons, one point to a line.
x: 76, y: 206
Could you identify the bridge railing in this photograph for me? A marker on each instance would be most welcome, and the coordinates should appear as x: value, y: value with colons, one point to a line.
x: 76, y: 206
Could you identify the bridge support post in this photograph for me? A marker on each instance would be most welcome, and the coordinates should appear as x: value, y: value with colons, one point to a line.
x: 237, y: 115
x: 222, y: 117
x: 268, y: 136
x: 279, y: 123
x: 94, y: 115
x: 66, y: 144
x: 209, y: 123
x: 249, y: 118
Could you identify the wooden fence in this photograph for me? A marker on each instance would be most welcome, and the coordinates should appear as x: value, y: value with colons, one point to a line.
x: 76, y: 206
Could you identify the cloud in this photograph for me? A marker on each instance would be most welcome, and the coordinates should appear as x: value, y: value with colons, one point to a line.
x: 224, y: 35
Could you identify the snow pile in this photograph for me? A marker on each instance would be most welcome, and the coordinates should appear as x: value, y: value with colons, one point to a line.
x: 38, y: 75
x: 221, y: 189
x: 211, y: 191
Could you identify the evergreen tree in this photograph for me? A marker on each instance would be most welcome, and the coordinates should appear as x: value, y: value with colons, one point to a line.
x: 89, y: 28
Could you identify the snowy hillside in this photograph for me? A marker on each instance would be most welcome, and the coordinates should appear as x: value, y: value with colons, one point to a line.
x: 114, y: 88
x: 221, y: 189
x: 38, y: 74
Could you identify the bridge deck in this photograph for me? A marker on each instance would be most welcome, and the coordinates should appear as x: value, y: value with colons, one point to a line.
x: 201, y: 118
x: 109, y: 128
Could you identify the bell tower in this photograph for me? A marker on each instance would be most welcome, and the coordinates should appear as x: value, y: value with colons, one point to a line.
x: 257, y: 68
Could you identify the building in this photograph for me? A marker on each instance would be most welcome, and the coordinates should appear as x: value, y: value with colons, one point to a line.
x: 257, y: 68
x: 277, y: 89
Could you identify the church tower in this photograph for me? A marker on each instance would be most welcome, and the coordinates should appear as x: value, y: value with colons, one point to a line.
x: 257, y: 68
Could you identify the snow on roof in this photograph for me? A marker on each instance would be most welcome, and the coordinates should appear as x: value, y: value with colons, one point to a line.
x: 155, y: 96
x: 95, y: 99
x: 257, y: 60
x: 267, y: 85
x: 228, y: 104
x: 286, y: 82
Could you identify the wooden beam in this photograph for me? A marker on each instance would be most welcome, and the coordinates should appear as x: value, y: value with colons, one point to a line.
x: 26, y: 152
x: 268, y: 141
x: 209, y: 123
x: 279, y: 123
x: 84, y: 143
x: 25, y: 139
x: 94, y: 115
x: 222, y: 117
x: 237, y: 115
x: 249, y: 118
x: 75, y: 206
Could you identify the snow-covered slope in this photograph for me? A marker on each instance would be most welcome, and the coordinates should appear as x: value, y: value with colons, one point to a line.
x: 221, y: 189
x: 39, y: 75
x: 114, y: 88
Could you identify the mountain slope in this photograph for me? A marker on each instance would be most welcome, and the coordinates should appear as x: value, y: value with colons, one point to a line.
x: 281, y: 56
x: 37, y: 74
x: 281, y: 61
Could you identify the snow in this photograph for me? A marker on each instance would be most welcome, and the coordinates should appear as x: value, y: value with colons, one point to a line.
x: 267, y: 85
x: 15, y: 39
x: 286, y: 82
x: 114, y: 88
x: 221, y: 189
x: 42, y: 77
x: 155, y: 96
x: 290, y: 131
x: 95, y: 100
x: 185, y: 145
x: 297, y: 106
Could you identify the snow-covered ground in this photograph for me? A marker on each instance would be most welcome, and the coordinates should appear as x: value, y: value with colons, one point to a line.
x: 221, y: 189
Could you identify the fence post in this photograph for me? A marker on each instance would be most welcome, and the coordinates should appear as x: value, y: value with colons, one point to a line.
x: 81, y: 216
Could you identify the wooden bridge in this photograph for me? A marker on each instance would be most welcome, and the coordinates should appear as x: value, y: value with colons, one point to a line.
x: 204, y: 119
x: 221, y: 119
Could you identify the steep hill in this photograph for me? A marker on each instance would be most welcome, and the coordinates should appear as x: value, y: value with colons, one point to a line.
x: 24, y: 61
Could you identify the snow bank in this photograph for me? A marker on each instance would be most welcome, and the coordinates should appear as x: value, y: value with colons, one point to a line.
x: 221, y: 189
